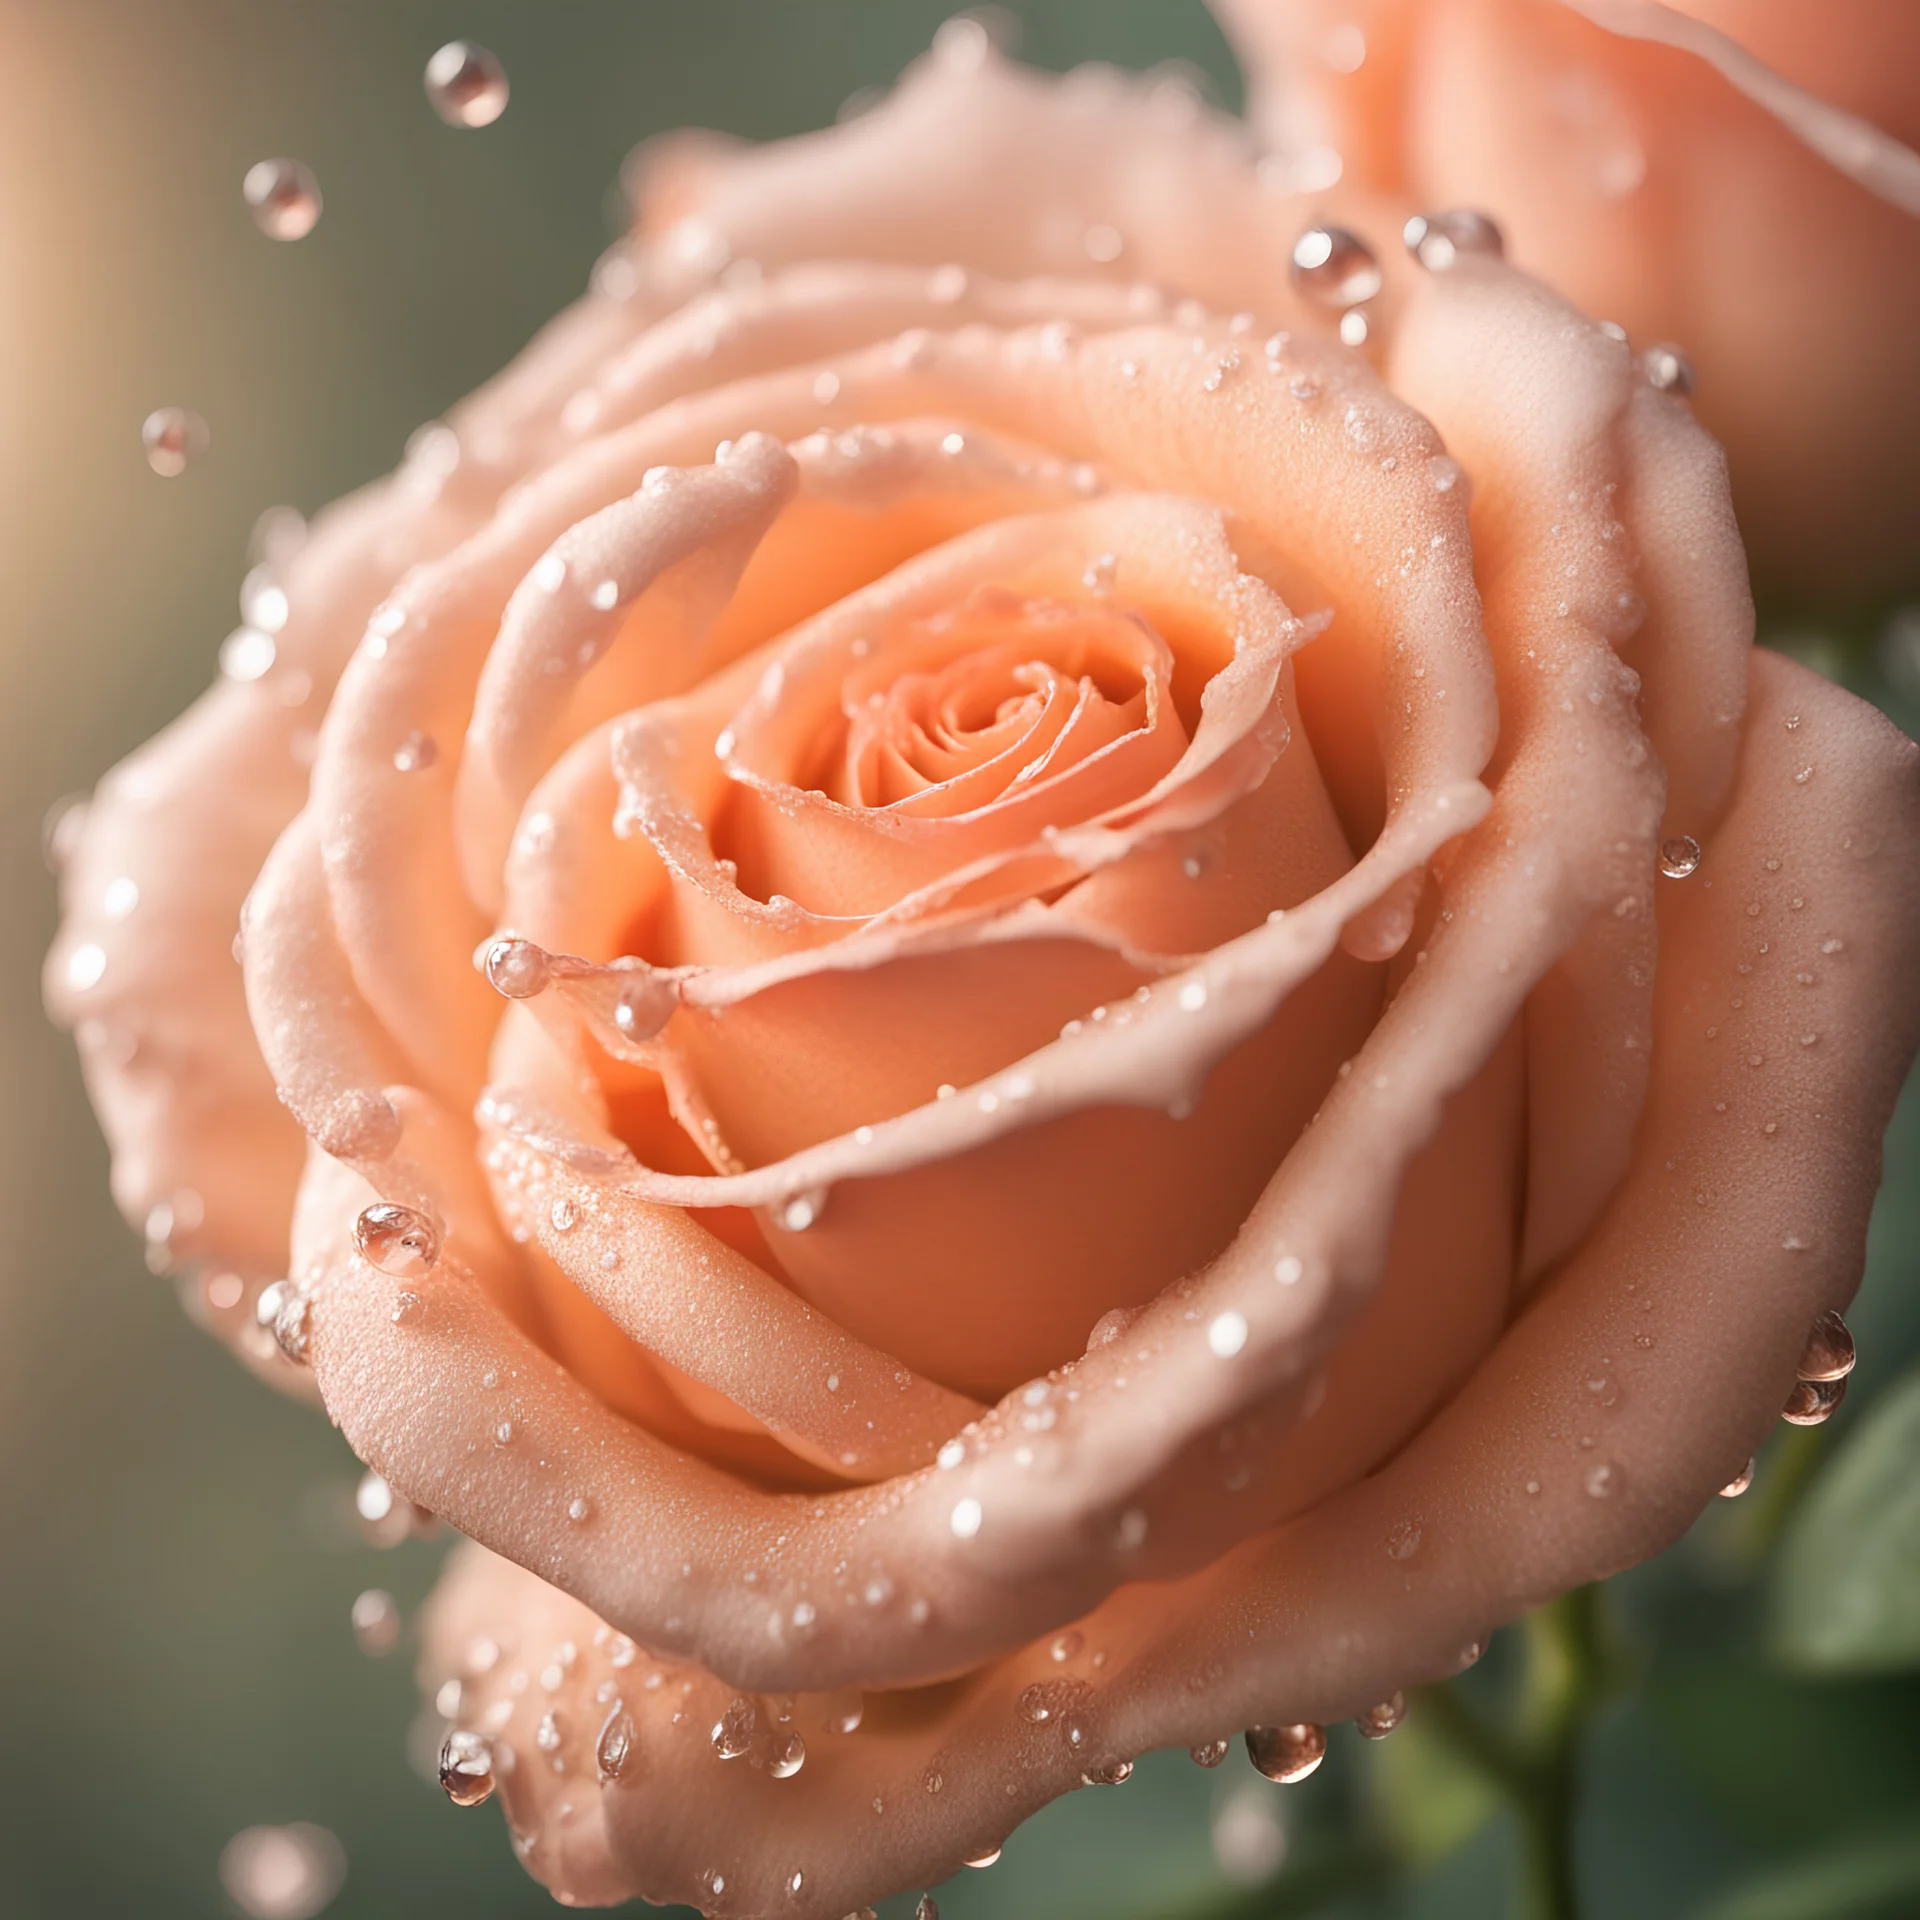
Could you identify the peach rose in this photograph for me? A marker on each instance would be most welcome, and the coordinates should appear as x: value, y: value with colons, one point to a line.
x: 978, y: 1027
x: 1725, y: 174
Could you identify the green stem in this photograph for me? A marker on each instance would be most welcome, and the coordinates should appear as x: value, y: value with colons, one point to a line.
x: 1534, y: 1762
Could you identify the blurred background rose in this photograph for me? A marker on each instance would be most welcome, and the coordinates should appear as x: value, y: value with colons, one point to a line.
x: 179, y: 1550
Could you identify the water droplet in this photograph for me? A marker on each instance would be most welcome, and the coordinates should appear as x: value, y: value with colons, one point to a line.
x: 467, y: 85
x: 397, y: 1240
x: 376, y: 1622
x: 800, y: 1210
x: 503, y: 1434
x: 246, y: 654
x: 1602, y: 1480
x: 1066, y: 1645
x: 579, y: 1509
x: 1738, y: 1485
x: 1227, y: 1333
x: 1813, y: 1401
x: 466, y: 1768
x: 563, y: 1214
x: 517, y: 969
x: 1035, y: 1705
x: 282, y: 1873
x: 86, y: 965
x: 1335, y: 268
x: 284, y: 196
x: 787, y: 1756
x: 1110, y: 1773
x: 965, y: 1518
x: 416, y: 753
x: 173, y: 437
x: 926, y: 1908
x: 613, y: 1750
x: 1193, y: 996
x: 287, y: 1313
x: 1437, y: 240
x: 1288, y: 1269
x: 644, y: 1005
x: 1679, y: 856
x: 1668, y: 369
x: 1403, y: 1541
x: 933, y: 1780
x: 1209, y: 1753
x: 1287, y: 1754
x: 733, y: 1732
x: 1829, y: 1353
x: 1377, y: 1722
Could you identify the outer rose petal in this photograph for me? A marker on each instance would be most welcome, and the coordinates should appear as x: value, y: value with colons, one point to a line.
x: 1646, y: 185
x: 1501, y: 1501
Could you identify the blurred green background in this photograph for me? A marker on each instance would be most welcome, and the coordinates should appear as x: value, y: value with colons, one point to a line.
x: 178, y: 1552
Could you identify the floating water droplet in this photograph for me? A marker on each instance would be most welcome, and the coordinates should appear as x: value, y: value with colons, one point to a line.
x: 1227, y: 1333
x: 1679, y: 856
x: 376, y: 1622
x: 467, y: 85
x: 1738, y: 1485
x: 1668, y: 369
x: 1209, y: 1753
x: 1437, y: 240
x: 466, y: 1768
x: 1403, y: 1540
x: 1377, y: 1722
x: 1335, y: 268
x: 1829, y: 1352
x: 965, y: 1518
x: 1287, y: 1754
x: 517, y: 969
x: 173, y: 437
x: 282, y: 1873
x: 733, y: 1732
x: 1813, y: 1401
x: 787, y: 1755
x: 397, y: 1240
x: 284, y: 196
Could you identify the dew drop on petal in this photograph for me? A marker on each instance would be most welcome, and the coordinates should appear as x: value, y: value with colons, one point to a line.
x: 376, y: 1622
x: 733, y: 1732
x: 1035, y: 1705
x: 517, y: 969
x: 406, y: 1307
x: 844, y: 1711
x: 613, y: 1749
x: 1829, y: 1352
x: 86, y: 965
x: 1813, y: 1401
x: 1210, y: 1753
x: 416, y: 753
x: 1437, y: 240
x: 1377, y: 1722
x: 644, y: 1005
x: 926, y: 1908
x: 787, y: 1755
x: 247, y: 653
x: 1288, y: 1269
x: 985, y: 1859
x: 173, y: 437
x: 466, y: 84
x: 800, y: 1210
x: 1110, y: 1773
x: 1066, y: 1645
x: 1679, y: 856
x: 397, y: 1240
x: 466, y: 1768
x: 1602, y: 1480
x: 284, y: 196
x: 1738, y: 1485
x: 287, y: 1313
x: 1335, y: 268
x: 1227, y: 1333
x: 965, y: 1518
x: 1287, y: 1754
x: 1403, y: 1541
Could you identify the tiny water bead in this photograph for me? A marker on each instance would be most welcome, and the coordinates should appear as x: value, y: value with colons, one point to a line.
x: 1679, y: 856
x: 1403, y: 1541
x: 247, y: 654
x: 1829, y: 1352
x: 284, y: 196
x: 985, y: 1859
x: 466, y: 84
x: 174, y: 437
x: 286, y: 1313
x: 1066, y: 1646
x: 1437, y: 240
x: 1738, y: 1485
x: 926, y: 1908
x: 1110, y: 1773
x: 1288, y: 1754
x: 800, y: 1210
x: 1335, y: 268
x: 397, y: 1240
x: 613, y: 1749
x: 1227, y: 1334
x: 643, y: 1006
x: 1668, y: 369
x: 376, y: 1622
x: 733, y: 1733
x: 466, y: 1768
x: 517, y: 969
x: 787, y: 1756
x: 965, y: 1518
x: 1377, y: 1722
x: 1210, y: 1753
x: 1813, y: 1401
x: 416, y: 753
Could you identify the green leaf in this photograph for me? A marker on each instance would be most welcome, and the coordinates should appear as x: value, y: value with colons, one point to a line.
x: 1869, y: 1879
x: 1846, y: 1586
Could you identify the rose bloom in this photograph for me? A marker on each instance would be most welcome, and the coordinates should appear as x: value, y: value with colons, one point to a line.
x: 1725, y: 174
x: 978, y: 1037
